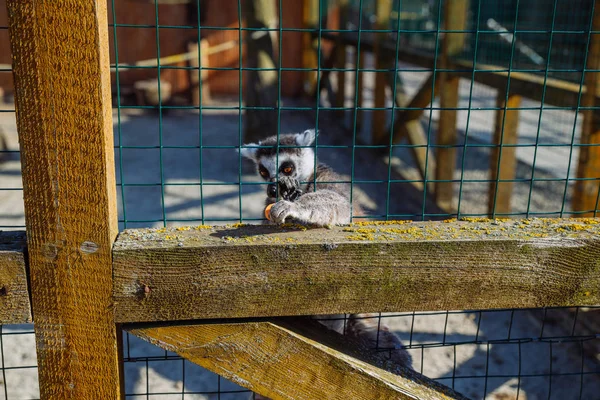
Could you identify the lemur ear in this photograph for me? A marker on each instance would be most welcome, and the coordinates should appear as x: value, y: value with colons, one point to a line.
x: 306, y: 138
x: 249, y: 152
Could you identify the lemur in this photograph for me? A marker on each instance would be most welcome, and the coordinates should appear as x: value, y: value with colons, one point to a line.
x: 326, y: 204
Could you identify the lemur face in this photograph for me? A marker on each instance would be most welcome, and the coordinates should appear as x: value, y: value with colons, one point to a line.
x: 293, y: 163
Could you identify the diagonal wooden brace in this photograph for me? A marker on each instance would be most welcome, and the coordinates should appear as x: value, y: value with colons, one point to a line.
x: 291, y: 359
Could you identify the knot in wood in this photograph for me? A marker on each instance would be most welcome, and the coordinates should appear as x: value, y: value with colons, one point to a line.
x: 88, y: 247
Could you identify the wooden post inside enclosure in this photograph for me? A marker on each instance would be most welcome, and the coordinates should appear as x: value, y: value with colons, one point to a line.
x: 359, y: 98
x: 505, y: 133
x: 340, y: 60
x: 309, y: 58
x: 261, y: 88
x: 455, y: 17
x: 586, y: 193
x: 408, y: 125
x: 62, y: 80
x: 382, y: 61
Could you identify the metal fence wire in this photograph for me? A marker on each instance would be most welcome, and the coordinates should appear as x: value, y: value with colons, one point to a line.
x: 378, y: 84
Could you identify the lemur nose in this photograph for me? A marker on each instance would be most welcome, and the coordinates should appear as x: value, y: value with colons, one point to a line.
x: 272, y: 190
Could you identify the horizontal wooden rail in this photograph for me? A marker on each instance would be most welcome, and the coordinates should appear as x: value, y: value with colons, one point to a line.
x: 292, y: 360
x: 260, y: 271
x: 15, y: 307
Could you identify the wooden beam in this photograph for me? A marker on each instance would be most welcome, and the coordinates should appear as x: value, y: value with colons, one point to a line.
x: 415, y: 107
x: 261, y: 271
x: 383, y: 60
x: 422, y: 154
x: 340, y: 61
x: 290, y: 360
x: 455, y: 17
x: 557, y: 92
x: 360, y: 98
x: 408, y: 125
x: 14, y: 293
x: 262, y: 81
x: 585, y: 194
x: 309, y: 56
x: 447, y: 136
x: 199, y: 86
x: 62, y: 80
x: 505, y: 133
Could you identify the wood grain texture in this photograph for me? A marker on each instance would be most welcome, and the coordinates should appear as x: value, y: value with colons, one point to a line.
x: 62, y: 80
x: 14, y: 293
x: 503, y: 160
x: 290, y: 360
x: 262, y: 271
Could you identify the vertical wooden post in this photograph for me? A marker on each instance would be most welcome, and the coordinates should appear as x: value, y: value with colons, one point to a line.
x: 260, y: 89
x: 64, y: 118
x: 309, y: 58
x: 509, y: 120
x: 340, y: 59
x: 455, y: 17
x: 586, y: 191
x: 198, y: 80
x: 382, y: 61
x: 360, y: 98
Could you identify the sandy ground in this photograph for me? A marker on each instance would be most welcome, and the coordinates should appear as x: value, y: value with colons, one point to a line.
x: 221, y: 199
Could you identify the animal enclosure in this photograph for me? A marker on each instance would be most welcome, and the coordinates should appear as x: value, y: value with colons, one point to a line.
x: 133, y: 259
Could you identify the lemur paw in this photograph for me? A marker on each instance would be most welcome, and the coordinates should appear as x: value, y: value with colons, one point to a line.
x: 282, y: 210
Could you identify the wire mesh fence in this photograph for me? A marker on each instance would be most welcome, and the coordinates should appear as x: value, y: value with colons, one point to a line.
x: 180, y: 93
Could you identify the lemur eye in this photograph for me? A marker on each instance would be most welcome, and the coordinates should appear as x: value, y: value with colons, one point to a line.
x: 288, y: 170
x: 263, y: 172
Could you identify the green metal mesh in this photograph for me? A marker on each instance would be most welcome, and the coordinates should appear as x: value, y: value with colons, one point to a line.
x: 542, y: 38
x: 177, y: 164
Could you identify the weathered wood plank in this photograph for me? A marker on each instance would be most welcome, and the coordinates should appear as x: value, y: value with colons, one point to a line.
x: 62, y: 80
x: 261, y: 271
x: 585, y: 193
x: 503, y: 160
x: 290, y: 360
x: 14, y: 294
